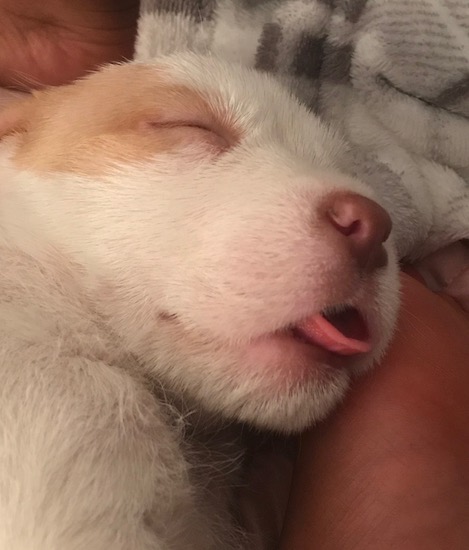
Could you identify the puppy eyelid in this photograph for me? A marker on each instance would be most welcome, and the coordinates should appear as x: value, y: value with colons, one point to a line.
x: 214, y: 136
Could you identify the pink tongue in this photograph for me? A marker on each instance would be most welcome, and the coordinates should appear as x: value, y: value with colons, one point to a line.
x: 319, y: 331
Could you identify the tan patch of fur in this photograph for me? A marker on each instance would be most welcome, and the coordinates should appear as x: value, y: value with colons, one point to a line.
x: 126, y: 113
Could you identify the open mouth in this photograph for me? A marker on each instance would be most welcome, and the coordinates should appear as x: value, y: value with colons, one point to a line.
x: 341, y: 330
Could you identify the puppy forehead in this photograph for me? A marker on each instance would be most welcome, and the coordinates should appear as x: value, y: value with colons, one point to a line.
x: 84, y: 126
x: 120, y: 94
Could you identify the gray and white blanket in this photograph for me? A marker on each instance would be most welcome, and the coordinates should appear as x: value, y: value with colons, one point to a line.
x: 393, y: 74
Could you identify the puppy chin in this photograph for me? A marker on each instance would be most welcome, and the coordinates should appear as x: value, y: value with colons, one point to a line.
x: 281, y: 392
x: 292, y: 410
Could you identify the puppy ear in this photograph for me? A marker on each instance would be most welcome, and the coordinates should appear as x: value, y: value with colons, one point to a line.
x: 15, y: 117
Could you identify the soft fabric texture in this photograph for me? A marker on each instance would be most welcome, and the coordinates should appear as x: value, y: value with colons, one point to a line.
x: 393, y: 74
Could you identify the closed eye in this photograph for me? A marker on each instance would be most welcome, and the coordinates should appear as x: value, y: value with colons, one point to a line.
x: 191, y: 132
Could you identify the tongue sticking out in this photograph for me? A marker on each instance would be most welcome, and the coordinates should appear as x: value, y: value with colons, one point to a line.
x: 344, y: 333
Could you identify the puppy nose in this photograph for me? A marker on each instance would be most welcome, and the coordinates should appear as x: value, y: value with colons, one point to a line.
x: 364, y: 225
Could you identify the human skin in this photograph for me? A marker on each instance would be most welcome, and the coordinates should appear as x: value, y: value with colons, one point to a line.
x: 390, y: 468
x: 52, y: 42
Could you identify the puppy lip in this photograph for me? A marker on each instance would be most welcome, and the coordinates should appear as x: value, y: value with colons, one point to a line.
x: 339, y: 332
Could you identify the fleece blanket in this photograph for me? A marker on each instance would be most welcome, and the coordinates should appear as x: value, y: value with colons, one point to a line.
x: 392, y: 74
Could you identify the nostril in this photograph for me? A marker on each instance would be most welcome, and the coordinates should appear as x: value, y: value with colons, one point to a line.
x: 344, y: 226
x: 364, y: 223
x: 354, y: 215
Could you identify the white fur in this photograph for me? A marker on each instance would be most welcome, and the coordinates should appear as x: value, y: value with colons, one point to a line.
x: 136, y: 314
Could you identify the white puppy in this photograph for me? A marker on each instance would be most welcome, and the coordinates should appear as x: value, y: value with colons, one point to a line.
x: 181, y: 254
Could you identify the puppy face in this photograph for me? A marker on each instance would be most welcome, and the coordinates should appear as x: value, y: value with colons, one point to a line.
x: 219, y: 234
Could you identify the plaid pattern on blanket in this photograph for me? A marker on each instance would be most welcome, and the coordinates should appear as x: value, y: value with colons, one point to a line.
x: 393, y: 74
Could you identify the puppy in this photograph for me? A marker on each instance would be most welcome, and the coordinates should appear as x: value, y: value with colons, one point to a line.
x: 182, y: 256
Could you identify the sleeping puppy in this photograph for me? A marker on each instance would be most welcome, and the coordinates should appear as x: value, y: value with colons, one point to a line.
x: 182, y: 256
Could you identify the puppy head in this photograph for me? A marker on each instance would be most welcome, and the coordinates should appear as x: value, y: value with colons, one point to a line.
x: 221, y: 237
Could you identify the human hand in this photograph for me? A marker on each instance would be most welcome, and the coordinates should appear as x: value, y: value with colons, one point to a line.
x: 390, y: 468
x: 55, y: 41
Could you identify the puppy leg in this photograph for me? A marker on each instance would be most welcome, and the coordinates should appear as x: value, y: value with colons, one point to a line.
x: 87, y: 461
